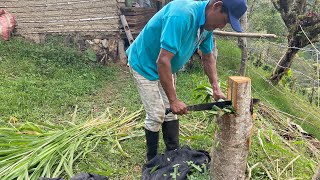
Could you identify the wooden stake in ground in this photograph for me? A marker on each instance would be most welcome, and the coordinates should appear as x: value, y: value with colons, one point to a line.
x: 121, y: 53
x: 242, y: 42
x: 233, y: 137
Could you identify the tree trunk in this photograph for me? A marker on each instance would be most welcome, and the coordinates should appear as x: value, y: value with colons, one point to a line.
x: 232, y: 140
x: 301, y: 21
x: 285, y: 63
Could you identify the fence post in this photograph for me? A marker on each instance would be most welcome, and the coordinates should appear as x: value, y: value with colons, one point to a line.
x: 242, y: 42
x: 233, y: 137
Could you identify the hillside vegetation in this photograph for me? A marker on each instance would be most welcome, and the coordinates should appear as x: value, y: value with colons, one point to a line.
x: 49, y: 90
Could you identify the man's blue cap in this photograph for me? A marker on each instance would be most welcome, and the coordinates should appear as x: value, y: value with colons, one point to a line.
x: 236, y: 8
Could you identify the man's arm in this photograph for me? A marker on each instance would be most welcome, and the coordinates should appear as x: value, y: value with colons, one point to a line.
x: 166, y: 80
x: 209, y: 67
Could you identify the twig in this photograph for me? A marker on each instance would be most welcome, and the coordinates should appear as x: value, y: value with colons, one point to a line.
x: 250, y: 170
x: 289, y: 164
x: 268, y: 173
x: 309, y: 40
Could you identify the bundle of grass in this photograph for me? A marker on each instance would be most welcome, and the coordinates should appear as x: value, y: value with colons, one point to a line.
x: 29, y: 152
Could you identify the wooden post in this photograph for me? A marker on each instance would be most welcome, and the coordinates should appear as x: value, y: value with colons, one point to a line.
x: 248, y: 35
x: 233, y: 137
x: 121, y: 53
x: 126, y: 29
x: 242, y: 41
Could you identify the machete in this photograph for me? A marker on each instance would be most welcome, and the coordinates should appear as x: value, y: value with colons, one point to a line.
x: 208, y: 106
x: 205, y: 106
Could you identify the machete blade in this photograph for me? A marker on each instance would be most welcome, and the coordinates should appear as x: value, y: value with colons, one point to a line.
x: 208, y: 106
x: 205, y: 106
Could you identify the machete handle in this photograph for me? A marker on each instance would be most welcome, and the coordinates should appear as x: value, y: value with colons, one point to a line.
x: 168, y: 110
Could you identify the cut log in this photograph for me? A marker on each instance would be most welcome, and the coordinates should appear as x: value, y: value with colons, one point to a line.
x: 233, y: 137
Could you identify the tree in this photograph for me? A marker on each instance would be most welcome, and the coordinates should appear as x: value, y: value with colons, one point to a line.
x: 302, y: 19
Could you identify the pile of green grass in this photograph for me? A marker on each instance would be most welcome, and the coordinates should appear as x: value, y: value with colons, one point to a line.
x: 30, y: 152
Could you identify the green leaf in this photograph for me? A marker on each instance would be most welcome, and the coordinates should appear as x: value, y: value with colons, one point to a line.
x: 154, y: 169
x: 215, y: 108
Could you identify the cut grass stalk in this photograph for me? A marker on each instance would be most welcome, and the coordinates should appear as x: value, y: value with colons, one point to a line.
x: 52, y: 154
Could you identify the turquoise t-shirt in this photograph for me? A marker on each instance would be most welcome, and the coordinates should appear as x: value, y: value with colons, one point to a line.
x: 175, y: 28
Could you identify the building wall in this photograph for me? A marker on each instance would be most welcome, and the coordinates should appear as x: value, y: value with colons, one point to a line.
x: 87, y: 17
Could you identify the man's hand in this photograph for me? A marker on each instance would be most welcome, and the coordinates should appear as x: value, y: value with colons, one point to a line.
x: 217, y: 94
x: 178, y: 107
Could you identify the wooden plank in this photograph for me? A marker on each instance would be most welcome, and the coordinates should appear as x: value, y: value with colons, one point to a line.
x: 84, y: 17
x: 94, y: 10
x: 44, y: 3
x: 29, y: 8
x: 139, y: 18
x: 48, y: 31
x: 94, y: 28
x: 80, y: 22
x: 126, y: 29
x: 137, y: 9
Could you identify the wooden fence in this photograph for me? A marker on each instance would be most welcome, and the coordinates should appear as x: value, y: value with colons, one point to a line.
x: 88, y: 17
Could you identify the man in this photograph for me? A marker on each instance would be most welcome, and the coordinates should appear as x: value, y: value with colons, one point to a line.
x: 164, y: 45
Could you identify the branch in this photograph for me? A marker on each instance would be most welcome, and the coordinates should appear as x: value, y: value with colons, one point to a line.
x: 309, y: 40
x: 249, y: 35
x: 284, y: 6
x: 313, y: 18
x: 275, y: 4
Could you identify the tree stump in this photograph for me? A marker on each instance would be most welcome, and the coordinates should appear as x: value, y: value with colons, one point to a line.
x: 233, y: 137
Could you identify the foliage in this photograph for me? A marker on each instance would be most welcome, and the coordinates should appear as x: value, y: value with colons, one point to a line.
x: 303, y: 25
x: 29, y: 152
x: 264, y: 18
x: 203, y: 92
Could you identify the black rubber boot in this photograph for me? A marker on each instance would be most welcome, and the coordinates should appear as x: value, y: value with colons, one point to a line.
x: 170, y: 130
x: 152, y: 143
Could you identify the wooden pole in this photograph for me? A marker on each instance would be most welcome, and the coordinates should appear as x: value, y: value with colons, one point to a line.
x: 233, y: 137
x: 242, y: 41
x: 318, y: 78
x: 121, y: 53
x: 126, y: 29
x: 248, y: 35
